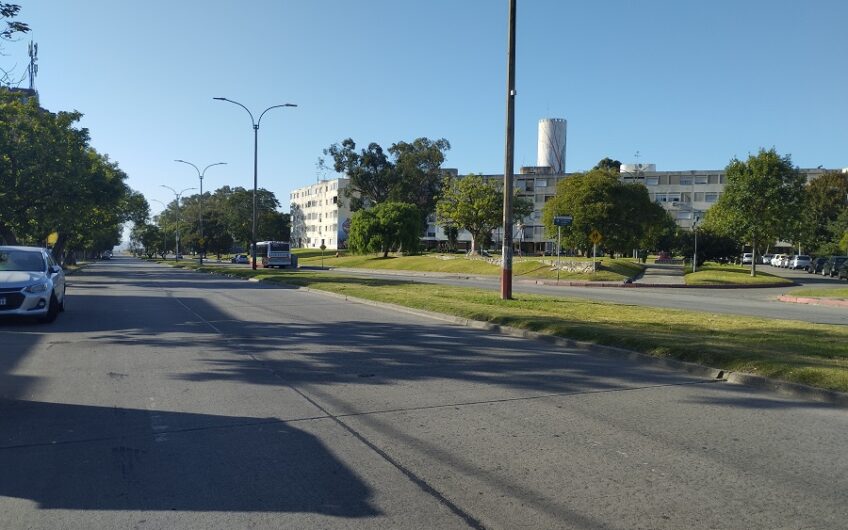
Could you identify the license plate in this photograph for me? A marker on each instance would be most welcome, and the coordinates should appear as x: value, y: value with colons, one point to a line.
x: 2, y: 301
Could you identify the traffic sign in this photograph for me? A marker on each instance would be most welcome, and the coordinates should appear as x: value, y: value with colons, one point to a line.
x: 563, y: 220
x: 595, y: 237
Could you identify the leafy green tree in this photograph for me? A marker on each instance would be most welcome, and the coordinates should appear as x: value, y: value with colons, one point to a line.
x: 10, y: 27
x: 476, y: 206
x: 623, y: 213
x: 711, y: 245
x: 824, y: 201
x: 412, y: 174
x: 390, y: 226
x: 762, y: 199
x: 608, y: 164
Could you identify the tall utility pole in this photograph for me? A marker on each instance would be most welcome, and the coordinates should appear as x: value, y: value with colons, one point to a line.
x: 506, y: 249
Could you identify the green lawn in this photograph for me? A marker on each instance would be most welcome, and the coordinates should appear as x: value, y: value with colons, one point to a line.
x: 840, y: 293
x: 813, y: 354
x: 713, y: 274
x: 528, y: 267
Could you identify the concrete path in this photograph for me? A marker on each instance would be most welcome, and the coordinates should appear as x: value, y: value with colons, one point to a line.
x: 661, y: 274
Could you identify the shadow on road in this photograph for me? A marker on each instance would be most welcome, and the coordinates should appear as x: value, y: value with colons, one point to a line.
x: 127, y: 459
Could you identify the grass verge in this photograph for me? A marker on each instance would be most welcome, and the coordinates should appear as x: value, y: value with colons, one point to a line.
x: 609, y: 271
x: 812, y: 354
x: 731, y: 275
x: 840, y: 293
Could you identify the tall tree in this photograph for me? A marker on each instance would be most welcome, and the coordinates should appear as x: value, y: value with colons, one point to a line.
x: 476, y: 206
x: 762, y: 198
x: 412, y: 174
x: 608, y: 164
x: 390, y: 226
x: 824, y: 199
x: 622, y: 213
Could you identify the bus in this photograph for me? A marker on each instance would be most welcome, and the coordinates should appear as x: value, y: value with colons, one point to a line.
x: 275, y: 254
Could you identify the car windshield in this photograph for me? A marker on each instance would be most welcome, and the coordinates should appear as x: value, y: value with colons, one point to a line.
x: 21, y: 260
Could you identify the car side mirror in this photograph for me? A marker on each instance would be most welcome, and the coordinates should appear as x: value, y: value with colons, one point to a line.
x: 56, y: 269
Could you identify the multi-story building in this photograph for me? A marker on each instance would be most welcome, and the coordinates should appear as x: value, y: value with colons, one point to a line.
x: 687, y: 194
x: 320, y: 215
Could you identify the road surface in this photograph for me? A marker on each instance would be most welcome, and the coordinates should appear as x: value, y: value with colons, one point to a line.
x: 168, y: 399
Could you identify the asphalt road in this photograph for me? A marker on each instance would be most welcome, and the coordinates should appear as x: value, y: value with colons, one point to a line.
x: 168, y: 399
x: 757, y: 302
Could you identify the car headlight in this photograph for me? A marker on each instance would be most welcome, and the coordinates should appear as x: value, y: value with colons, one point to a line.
x: 37, y: 288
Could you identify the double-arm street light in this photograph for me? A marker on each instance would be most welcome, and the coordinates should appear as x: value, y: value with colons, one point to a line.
x: 255, y: 124
x: 177, y: 196
x: 200, y: 175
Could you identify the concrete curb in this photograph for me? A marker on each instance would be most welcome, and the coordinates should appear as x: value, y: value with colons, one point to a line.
x: 813, y: 301
x: 784, y: 388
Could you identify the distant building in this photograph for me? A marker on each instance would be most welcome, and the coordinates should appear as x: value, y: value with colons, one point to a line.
x: 687, y: 194
x: 320, y: 215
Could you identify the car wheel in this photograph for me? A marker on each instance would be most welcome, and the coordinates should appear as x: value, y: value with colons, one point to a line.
x: 62, y: 303
x: 52, y: 310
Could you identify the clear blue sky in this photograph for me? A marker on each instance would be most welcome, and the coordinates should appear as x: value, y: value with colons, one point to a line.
x: 688, y: 84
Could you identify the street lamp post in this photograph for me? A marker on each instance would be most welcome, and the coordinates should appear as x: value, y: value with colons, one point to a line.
x: 200, y: 175
x: 177, y: 196
x: 255, y: 124
x: 164, y: 243
x: 695, y: 256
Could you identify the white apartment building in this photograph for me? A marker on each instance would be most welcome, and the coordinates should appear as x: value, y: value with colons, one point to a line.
x: 320, y: 215
x: 687, y: 194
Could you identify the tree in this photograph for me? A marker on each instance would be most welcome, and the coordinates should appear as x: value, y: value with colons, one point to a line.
x: 762, y: 197
x: 475, y: 205
x: 390, y: 226
x: 412, y: 174
x: 824, y: 201
x: 623, y: 213
x: 608, y: 164
x: 8, y: 29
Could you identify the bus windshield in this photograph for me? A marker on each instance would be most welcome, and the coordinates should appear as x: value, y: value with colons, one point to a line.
x: 279, y: 247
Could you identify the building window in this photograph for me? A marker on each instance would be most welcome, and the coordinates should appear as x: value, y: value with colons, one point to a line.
x: 541, y: 183
x: 711, y: 196
x: 652, y: 181
x: 702, y: 179
x: 660, y: 197
x: 685, y: 181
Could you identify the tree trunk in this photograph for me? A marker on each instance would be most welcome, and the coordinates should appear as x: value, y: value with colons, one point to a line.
x: 7, y: 236
x: 59, y: 248
x: 754, y: 258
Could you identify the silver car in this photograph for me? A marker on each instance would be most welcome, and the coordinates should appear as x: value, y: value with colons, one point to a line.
x: 31, y: 283
x: 800, y: 261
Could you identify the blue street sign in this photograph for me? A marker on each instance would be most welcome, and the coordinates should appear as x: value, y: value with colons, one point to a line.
x: 563, y: 220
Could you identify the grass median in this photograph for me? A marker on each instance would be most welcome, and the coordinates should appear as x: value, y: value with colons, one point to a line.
x: 710, y: 274
x: 610, y: 270
x: 812, y: 354
x: 839, y: 293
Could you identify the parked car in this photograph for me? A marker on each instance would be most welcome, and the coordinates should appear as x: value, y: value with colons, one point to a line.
x: 747, y: 258
x: 800, y: 261
x: 831, y: 268
x: 815, y: 266
x: 775, y: 260
x: 766, y: 259
x: 842, y: 274
x: 31, y: 283
x: 240, y: 258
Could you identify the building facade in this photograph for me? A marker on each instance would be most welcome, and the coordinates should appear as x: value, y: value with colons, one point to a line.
x: 687, y: 194
x: 320, y: 215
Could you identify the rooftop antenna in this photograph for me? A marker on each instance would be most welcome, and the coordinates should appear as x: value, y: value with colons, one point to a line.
x: 33, y: 64
x: 637, y: 155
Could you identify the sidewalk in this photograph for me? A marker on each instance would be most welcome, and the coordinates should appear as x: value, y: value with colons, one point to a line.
x: 661, y: 274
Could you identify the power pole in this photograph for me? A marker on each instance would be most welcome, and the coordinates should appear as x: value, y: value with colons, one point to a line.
x: 506, y: 249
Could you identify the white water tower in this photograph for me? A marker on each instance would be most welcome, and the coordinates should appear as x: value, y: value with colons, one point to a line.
x: 551, y: 149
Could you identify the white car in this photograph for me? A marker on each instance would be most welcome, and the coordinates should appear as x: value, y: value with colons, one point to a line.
x: 767, y: 259
x: 31, y: 283
x: 776, y: 260
x: 747, y: 258
x: 800, y: 261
